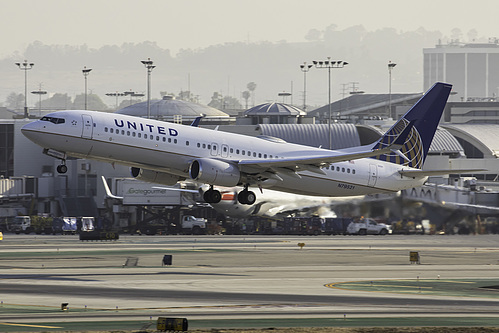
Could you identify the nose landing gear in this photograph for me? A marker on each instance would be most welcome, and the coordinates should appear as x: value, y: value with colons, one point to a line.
x: 62, y: 168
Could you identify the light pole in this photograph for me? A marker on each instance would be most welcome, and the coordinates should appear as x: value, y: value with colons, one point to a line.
x: 305, y: 68
x: 390, y: 67
x: 116, y: 94
x: 39, y: 92
x: 85, y: 72
x: 133, y: 94
x: 25, y: 66
x: 329, y: 64
x: 149, y: 65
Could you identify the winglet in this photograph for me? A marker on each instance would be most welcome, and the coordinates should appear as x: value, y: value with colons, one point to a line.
x: 196, y: 121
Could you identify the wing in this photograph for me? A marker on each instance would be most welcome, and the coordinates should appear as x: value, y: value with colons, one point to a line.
x: 304, y: 161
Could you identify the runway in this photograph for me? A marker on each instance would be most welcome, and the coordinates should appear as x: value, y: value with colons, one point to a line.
x: 217, y: 278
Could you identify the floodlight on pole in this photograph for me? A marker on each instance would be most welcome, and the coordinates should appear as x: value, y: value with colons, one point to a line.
x: 148, y: 64
x: 305, y: 68
x: 116, y: 94
x: 85, y: 72
x: 390, y: 67
x: 329, y: 65
x: 25, y: 66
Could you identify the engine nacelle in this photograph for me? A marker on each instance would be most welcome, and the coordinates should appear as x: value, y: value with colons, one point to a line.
x: 152, y: 176
x: 214, y: 172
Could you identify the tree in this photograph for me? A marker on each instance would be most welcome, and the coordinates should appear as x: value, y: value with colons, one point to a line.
x: 94, y: 102
x: 15, y: 101
x: 57, y: 102
x: 246, y: 96
x: 251, y: 87
x: 216, y: 101
x: 313, y: 35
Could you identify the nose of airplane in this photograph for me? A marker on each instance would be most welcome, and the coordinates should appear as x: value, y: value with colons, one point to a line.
x: 30, y: 130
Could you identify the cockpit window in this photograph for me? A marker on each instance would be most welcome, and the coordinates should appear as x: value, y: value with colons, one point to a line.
x: 53, y: 120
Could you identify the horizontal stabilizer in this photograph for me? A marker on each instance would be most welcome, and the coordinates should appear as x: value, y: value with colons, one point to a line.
x: 426, y: 173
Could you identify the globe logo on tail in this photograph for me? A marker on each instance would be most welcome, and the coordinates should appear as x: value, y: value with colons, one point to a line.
x: 412, y: 148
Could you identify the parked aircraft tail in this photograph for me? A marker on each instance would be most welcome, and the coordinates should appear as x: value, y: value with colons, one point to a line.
x: 422, y: 119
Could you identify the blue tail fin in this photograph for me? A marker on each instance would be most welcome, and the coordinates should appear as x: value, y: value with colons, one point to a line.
x: 424, y: 117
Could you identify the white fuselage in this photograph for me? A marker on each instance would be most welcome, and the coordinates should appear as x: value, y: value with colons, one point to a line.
x: 171, y: 148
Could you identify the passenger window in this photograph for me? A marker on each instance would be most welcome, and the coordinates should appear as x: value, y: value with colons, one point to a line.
x: 353, y: 171
x: 133, y: 134
x: 139, y: 135
x: 105, y: 129
x: 111, y: 130
x: 174, y: 140
x: 259, y: 155
x: 348, y: 170
x: 209, y: 146
x: 237, y: 151
x: 342, y: 169
x: 204, y: 145
x: 187, y: 143
x: 199, y: 145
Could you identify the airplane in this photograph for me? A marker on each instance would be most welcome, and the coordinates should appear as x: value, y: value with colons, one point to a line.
x: 165, y: 153
x: 274, y: 204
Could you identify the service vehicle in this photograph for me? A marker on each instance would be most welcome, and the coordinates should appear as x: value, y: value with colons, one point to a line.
x: 367, y: 226
x: 193, y: 225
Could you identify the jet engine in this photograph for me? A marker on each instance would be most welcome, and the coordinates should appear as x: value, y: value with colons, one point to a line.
x: 152, y: 176
x: 214, y: 172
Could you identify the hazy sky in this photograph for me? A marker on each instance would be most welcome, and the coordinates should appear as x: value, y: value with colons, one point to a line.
x: 199, y: 23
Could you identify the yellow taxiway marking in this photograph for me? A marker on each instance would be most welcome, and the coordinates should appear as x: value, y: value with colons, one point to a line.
x: 27, y: 325
x: 382, y: 285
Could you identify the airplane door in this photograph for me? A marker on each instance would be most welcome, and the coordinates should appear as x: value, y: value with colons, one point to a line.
x: 373, y: 175
x: 88, y: 126
x: 214, y: 149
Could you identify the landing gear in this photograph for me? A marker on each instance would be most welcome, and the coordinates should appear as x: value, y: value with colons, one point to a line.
x: 62, y: 168
x: 246, y: 197
x: 212, y: 196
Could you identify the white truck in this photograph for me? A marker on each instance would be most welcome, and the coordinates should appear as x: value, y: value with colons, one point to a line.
x: 193, y: 225
x: 367, y: 226
x: 20, y: 224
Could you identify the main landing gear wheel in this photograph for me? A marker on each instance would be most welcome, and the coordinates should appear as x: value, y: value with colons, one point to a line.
x: 212, y: 196
x: 62, y: 168
x: 246, y: 197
